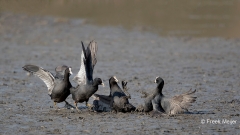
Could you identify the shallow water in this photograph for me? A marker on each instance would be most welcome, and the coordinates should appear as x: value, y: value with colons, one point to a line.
x: 210, y: 18
x: 209, y: 65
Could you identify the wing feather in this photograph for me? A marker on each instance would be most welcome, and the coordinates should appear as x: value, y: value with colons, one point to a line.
x: 180, y: 103
x: 80, y: 78
x: 46, y: 76
x: 88, y: 61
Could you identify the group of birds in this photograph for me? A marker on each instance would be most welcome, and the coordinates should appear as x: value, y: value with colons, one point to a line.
x: 59, y: 88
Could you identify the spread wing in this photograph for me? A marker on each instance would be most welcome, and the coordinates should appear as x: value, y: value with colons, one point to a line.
x: 180, y: 103
x: 43, y: 74
x: 80, y: 78
x: 88, y: 61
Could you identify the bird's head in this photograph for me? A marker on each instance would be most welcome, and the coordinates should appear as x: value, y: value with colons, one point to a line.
x: 63, y: 69
x: 113, y: 80
x: 159, y: 80
x: 98, y: 81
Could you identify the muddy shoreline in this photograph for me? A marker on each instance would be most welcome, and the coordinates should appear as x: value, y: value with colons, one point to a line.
x: 209, y: 65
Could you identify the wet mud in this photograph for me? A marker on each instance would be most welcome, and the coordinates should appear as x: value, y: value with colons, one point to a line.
x: 209, y: 65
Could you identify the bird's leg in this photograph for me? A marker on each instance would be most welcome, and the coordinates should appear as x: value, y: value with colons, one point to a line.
x: 89, y: 105
x: 67, y: 105
x: 75, y: 103
x: 139, y: 108
x: 55, y: 105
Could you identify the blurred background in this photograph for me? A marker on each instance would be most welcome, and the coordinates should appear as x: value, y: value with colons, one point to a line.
x: 195, y: 18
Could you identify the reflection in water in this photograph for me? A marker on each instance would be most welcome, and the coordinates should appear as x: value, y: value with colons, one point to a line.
x: 167, y: 18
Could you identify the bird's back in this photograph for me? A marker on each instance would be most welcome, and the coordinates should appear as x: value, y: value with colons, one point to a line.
x: 82, y: 92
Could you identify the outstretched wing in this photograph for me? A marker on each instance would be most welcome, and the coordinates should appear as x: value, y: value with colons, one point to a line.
x: 180, y: 103
x: 90, y: 59
x: 80, y: 78
x: 43, y: 74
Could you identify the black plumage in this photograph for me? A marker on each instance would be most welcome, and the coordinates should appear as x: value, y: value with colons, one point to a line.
x: 102, y: 102
x: 58, y: 85
x: 119, y: 101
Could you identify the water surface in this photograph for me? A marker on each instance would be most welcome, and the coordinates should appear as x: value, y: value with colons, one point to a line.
x: 208, y: 18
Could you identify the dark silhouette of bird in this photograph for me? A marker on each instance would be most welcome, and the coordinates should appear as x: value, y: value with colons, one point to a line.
x: 119, y: 100
x: 58, y: 85
x: 102, y: 102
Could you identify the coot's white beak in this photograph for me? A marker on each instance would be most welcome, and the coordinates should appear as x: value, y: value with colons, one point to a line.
x: 155, y: 81
x: 102, y: 84
x: 115, y: 78
x: 70, y: 71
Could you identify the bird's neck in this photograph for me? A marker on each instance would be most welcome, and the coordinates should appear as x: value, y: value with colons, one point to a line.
x: 66, y: 76
x: 159, y: 89
x: 93, y: 90
x: 95, y: 84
